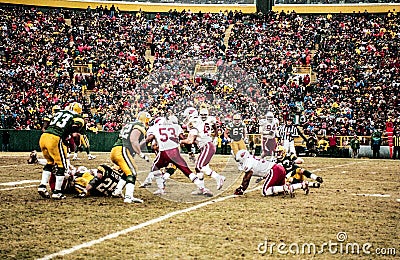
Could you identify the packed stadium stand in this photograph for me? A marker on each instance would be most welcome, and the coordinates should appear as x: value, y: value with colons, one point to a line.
x: 332, y: 72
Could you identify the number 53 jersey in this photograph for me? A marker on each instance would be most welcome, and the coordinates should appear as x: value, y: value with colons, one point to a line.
x: 167, y: 135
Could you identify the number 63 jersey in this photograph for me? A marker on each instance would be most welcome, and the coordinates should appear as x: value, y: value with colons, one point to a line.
x: 167, y: 135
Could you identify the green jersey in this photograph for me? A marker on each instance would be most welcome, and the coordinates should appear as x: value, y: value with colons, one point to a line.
x: 63, y: 122
x: 125, y: 133
x: 236, y: 132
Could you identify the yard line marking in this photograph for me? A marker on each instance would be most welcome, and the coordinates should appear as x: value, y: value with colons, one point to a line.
x: 372, y: 195
x: 18, y: 182
x: 21, y: 187
x: 149, y: 222
x: 398, y: 200
x: 133, y: 228
x: 6, y: 166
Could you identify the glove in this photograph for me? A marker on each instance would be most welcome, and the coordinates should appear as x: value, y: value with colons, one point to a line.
x: 144, y: 157
x: 239, y: 191
x: 246, y: 140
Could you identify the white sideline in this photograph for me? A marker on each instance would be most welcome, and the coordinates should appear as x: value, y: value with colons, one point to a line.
x: 21, y: 187
x: 18, y: 182
x: 133, y: 228
x: 152, y: 221
x: 13, y: 165
x: 371, y: 195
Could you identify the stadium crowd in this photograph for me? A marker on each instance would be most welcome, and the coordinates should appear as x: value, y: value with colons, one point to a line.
x: 354, y: 57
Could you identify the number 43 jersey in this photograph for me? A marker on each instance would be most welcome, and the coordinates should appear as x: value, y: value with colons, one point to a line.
x: 167, y: 135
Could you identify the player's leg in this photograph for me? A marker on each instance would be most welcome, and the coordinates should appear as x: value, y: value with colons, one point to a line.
x: 203, y: 166
x: 176, y: 159
x: 86, y: 145
x: 275, y: 182
x: 45, y: 142
x: 122, y: 157
x: 59, y: 153
x: 161, y: 161
x: 264, y: 147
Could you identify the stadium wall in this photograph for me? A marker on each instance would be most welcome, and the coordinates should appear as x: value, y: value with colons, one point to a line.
x: 135, y: 6
x: 336, y: 8
x: 28, y: 140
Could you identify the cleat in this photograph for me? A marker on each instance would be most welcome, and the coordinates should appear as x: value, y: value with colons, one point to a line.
x: 316, y: 185
x: 145, y: 185
x: 206, y: 192
x: 117, y: 194
x: 159, y: 192
x: 42, y: 190
x: 57, y: 195
x: 259, y: 179
x: 319, y: 179
x: 197, y: 192
x: 129, y: 199
x: 192, y: 158
x: 75, y: 158
x: 91, y: 157
x: 220, y: 182
x: 305, y: 187
x: 288, y: 189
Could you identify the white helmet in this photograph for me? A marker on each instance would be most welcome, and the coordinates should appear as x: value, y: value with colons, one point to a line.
x: 82, y: 169
x: 204, y: 114
x: 270, y: 116
x: 195, y: 122
x: 172, y: 119
x: 160, y: 121
x: 242, y: 155
x: 189, y: 113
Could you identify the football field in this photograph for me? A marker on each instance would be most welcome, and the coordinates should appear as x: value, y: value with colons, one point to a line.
x: 355, y: 214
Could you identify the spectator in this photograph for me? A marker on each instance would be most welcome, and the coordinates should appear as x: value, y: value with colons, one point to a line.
x: 376, y: 141
x: 333, y: 145
x: 396, y: 145
x: 355, y: 146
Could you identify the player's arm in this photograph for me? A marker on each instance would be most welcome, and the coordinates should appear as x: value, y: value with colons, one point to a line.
x: 148, y: 139
x: 189, y: 140
x: 245, y: 183
x: 245, y: 133
x: 226, y: 133
x: 301, y: 134
x: 136, y: 146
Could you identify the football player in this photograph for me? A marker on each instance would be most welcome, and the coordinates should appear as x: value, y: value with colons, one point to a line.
x: 236, y: 134
x: 294, y: 173
x: 189, y: 113
x: 125, y: 148
x: 167, y: 135
x: 83, y: 140
x: 269, y: 131
x: 97, y: 182
x: 273, y: 173
x: 200, y: 134
x: 47, y: 119
x: 63, y: 123
x: 211, y: 123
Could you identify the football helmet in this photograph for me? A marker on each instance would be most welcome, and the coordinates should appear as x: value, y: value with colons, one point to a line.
x: 143, y: 117
x: 237, y: 119
x: 204, y: 114
x: 82, y: 169
x: 189, y: 113
x: 195, y: 122
x: 242, y: 155
x: 55, y: 109
x: 270, y: 117
x: 160, y: 121
x: 172, y: 119
x: 280, y: 152
x: 76, y: 107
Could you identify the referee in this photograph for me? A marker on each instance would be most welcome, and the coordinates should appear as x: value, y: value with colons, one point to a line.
x: 396, y: 145
x: 287, y: 133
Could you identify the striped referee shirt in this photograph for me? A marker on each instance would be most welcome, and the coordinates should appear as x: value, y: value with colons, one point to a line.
x: 396, y: 140
x: 288, y: 132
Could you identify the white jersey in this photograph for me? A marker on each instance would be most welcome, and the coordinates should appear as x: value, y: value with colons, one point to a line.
x: 167, y: 135
x: 260, y: 167
x: 202, y: 133
x: 269, y: 129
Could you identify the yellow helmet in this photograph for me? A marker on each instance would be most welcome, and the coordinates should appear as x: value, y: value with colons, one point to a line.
x: 143, y: 117
x: 236, y: 119
x: 280, y: 152
x: 55, y: 109
x: 76, y: 107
